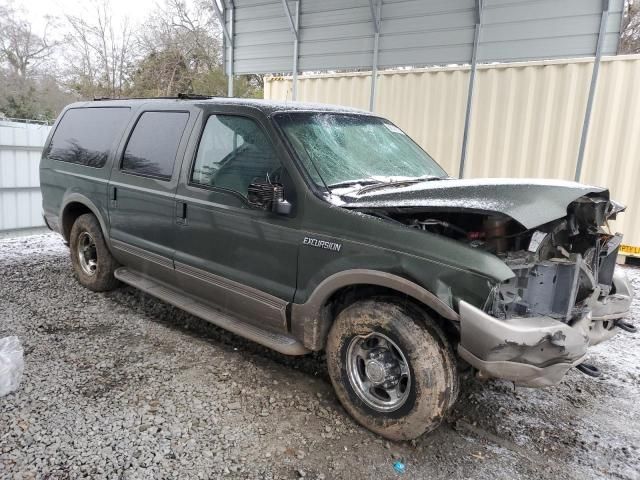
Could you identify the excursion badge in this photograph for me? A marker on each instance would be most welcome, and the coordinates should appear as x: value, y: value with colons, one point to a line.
x: 314, y: 242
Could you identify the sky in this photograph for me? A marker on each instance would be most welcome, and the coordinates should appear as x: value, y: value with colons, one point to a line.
x: 136, y: 10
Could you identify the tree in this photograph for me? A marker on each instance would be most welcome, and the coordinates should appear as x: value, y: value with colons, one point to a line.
x: 181, y: 48
x: 37, y: 98
x: 104, y: 53
x: 178, y: 49
x: 630, y: 34
x: 21, y: 49
x: 28, y: 87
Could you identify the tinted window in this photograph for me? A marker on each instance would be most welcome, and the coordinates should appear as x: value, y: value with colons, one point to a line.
x: 233, y: 152
x: 152, y: 147
x: 87, y: 135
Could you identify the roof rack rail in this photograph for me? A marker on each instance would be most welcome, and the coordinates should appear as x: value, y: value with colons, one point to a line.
x: 179, y: 96
x: 194, y: 96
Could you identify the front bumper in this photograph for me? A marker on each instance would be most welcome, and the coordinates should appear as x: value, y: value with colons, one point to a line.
x: 537, y: 351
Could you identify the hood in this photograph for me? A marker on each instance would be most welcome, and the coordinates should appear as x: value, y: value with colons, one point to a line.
x: 531, y: 202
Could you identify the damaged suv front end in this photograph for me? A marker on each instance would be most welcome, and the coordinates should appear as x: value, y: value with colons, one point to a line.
x: 564, y: 293
x: 548, y: 241
x: 565, y: 296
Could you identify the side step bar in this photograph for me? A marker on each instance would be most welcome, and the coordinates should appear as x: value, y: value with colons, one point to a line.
x: 275, y: 341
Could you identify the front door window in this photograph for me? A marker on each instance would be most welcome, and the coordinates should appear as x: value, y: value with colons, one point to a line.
x: 233, y: 153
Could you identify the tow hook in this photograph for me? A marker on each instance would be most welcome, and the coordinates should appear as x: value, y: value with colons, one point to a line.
x: 627, y: 326
x: 589, y: 369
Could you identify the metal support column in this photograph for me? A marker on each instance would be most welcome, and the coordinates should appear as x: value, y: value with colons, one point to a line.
x: 232, y: 47
x: 294, y: 25
x: 376, y: 13
x: 294, y: 88
x: 472, y: 82
x: 228, y: 37
x: 592, y: 88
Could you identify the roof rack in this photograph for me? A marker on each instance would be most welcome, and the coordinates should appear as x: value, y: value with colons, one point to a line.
x: 180, y: 96
x: 194, y: 96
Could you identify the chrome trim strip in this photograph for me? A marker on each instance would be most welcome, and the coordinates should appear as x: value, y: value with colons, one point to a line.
x: 141, y: 253
x: 232, y: 286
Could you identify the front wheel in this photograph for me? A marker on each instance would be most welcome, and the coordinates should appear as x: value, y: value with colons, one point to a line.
x: 91, y: 259
x: 392, y: 368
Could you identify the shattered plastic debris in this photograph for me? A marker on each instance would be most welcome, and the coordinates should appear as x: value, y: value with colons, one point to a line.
x: 399, y: 467
x: 11, y: 364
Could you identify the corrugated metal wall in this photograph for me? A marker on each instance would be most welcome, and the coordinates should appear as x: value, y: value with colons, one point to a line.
x: 339, y: 34
x: 527, y: 119
x: 20, y: 199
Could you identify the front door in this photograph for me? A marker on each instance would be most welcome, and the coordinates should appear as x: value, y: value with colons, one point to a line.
x: 142, y: 193
x: 239, y: 258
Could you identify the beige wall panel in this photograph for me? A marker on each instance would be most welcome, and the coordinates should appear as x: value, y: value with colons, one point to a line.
x: 527, y: 121
x: 430, y: 107
x: 612, y: 157
x: 346, y: 90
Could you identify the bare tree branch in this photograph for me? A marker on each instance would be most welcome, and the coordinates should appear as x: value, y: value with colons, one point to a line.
x: 104, y: 51
x: 24, y: 51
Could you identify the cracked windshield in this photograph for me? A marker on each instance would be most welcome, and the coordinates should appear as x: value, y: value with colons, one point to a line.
x: 356, y: 151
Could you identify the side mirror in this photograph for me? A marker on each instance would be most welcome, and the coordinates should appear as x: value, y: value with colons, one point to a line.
x: 268, y: 196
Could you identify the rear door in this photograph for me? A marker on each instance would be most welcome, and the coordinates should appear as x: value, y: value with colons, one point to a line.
x: 142, y: 191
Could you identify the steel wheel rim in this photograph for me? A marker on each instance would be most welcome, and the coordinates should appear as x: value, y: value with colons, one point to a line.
x: 87, y: 254
x: 378, y: 372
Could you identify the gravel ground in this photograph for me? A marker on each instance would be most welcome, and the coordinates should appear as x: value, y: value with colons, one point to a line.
x: 120, y: 385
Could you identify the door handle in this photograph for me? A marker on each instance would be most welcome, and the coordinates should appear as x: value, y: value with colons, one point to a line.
x: 181, y: 213
x: 114, y: 197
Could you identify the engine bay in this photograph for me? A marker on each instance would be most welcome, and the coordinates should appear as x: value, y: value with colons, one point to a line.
x: 561, y: 268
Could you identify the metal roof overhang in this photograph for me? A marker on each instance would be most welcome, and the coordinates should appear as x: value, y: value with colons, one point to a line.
x: 288, y: 36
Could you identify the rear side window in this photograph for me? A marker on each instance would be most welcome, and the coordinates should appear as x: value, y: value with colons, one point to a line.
x: 86, y: 136
x: 153, y: 145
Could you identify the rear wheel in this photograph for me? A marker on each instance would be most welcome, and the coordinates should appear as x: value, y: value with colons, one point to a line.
x: 91, y: 259
x: 392, y: 368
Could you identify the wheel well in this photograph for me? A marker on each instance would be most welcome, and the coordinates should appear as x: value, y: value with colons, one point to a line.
x: 69, y: 216
x: 342, y: 298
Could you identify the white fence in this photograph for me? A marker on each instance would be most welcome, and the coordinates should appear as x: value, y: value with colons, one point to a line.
x: 20, y: 199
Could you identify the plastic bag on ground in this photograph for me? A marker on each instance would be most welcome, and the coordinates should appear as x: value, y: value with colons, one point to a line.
x: 11, y: 364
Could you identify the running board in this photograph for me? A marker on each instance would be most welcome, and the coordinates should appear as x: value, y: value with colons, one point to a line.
x: 275, y: 341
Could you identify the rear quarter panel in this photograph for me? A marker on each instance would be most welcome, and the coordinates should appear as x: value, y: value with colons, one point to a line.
x: 64, y: 182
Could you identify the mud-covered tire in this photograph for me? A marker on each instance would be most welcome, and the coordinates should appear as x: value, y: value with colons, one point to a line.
x: 86, y: 230
x: 433, y: 385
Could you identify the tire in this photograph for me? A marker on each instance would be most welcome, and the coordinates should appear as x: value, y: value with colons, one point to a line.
x: 94, y: 269
x: 404, y: 346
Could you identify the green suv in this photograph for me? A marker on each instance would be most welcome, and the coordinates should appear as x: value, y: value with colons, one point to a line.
x: 312, y: 227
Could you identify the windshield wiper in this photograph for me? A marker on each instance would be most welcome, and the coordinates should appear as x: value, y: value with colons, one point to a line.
x: 352, y: 183
x: 399, y: 183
